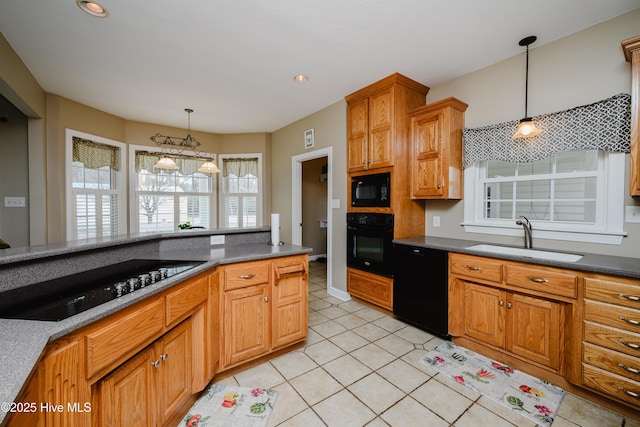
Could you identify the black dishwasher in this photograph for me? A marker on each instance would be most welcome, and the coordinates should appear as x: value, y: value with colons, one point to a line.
x: 420, y: 288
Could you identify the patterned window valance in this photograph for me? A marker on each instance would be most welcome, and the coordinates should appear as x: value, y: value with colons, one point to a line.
x: 94, y: 155
x: 604, y: 125
x: 186, y: 165
x: 240, y: 167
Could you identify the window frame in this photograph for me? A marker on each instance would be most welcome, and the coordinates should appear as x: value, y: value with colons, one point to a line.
x: 608, y: 228
x: 120, y: 190
x: 133, y: 189
x: 223, y: 193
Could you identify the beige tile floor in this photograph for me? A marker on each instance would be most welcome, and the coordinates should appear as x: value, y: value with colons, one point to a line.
x: 360, y: 367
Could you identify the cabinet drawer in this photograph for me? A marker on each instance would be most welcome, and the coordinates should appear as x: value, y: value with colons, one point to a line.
x: 109, y: 343
x: 612, y: 315
x: 613, y: 338
x: 611, y: 384
x: 612, y: 361
x: 478, y: 267
x: 375, y: 289
x: 624, y: 292
x: 245, y: 274
x: 182, y: 302
x: 542, y: 280
x: 291, y: 265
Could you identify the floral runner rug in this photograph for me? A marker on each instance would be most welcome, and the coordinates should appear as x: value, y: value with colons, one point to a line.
x: 229, y: 406
x: 530, y: 397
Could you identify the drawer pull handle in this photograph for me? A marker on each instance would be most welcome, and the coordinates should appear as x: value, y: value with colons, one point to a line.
x: 155, y: 363
x: 164, y: 356
x: 633, y: 322
x: 630, y: 297
x: 248, y: 276
x: 630, y: 393
x: 630, y: 345
x: 472, y: 268
x: 537, y: 279
x: 632, y: 370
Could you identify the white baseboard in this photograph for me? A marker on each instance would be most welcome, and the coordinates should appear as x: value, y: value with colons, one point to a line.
x: 316, y: 256
x: 341, y: 295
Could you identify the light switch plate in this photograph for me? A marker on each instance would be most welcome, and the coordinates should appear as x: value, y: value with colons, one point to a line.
x: 632, y: 214
x: 14, y: 202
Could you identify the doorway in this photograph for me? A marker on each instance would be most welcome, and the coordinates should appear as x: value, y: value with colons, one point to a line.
x: 298, y: 164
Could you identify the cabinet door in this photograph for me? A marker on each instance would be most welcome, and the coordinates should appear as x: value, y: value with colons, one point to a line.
x: 289, y: 307
x: 484, y: 317
x: 357, y: 135
x: 173, y: 355
x: 126, y: 394
x: 427, y: 152
x: 534, y: 329
x: 380, y: 129
x: 246, y: 324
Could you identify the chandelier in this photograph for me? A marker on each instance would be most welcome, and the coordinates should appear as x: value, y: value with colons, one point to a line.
x: 176, y: 146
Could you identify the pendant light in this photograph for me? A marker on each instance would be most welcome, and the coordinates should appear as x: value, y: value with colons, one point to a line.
x: 526, y: 128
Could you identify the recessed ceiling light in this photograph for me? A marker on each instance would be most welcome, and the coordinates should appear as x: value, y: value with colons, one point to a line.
x: 93, y: 8
x: 300, y: 78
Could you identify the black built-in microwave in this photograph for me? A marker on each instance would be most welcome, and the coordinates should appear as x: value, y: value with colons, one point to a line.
x: 371, y: 190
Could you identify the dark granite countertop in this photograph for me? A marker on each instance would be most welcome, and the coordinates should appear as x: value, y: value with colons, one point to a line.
x: 593, y: 263
x: 23, y: 341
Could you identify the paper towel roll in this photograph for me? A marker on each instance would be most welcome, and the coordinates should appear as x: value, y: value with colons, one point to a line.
x: 275, y: 229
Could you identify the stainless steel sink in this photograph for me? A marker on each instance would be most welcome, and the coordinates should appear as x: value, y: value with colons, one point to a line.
x: 529, y: 253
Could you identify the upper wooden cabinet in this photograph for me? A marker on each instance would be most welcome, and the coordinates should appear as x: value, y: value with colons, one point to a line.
x: 436, y: 144
x: 631, y: 48
x: 377, y: 122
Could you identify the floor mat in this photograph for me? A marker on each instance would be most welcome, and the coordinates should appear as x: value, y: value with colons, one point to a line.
x: 229, y: 406
x: 530, y: 397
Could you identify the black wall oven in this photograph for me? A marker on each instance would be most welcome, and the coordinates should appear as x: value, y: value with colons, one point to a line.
x: 370, y: 242
x: 371, y: 191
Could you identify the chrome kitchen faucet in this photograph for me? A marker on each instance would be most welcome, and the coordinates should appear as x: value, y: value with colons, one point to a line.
x: 526, y: 225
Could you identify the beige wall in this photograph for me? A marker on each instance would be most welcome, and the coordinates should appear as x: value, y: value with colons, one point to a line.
x: 14, y: 174
x: 580, y: 69
x: 330, y: 130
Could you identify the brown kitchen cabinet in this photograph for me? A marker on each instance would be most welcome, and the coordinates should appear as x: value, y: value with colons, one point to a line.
x: 152, y: 388
x: 370, y: 287
x: 377, y: 122
x: 611, y: 337
x: 631, y: 49
x: 263, y: 307
x: 436, y: 150
x: 490, y: 308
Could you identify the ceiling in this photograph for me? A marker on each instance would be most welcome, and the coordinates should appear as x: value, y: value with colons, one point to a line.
x: 233, y: 61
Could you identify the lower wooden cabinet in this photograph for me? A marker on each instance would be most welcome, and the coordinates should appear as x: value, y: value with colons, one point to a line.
x: 611, y: 337
x: 495, y: 304
x: 523, y: 325
x: 150, y: 389
x: 268, y: 313
x: 370, y: 287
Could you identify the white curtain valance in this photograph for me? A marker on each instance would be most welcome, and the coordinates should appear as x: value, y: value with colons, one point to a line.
x: 240, y: 167
x: 186, y: 165
x: 604, y: 125
x: 94, y: 155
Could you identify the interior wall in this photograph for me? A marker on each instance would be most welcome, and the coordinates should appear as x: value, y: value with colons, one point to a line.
x: 14, y: 174
x: 330, y: 130
x: 314, y: 206
x: 579, y: 69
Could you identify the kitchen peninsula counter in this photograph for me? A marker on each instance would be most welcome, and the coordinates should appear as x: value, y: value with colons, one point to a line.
x: 23, y: 341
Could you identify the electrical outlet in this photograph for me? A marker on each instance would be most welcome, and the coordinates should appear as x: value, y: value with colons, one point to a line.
x: 436, y: 221
x: 14, y: 202
x: 632, y: 214
x: 217, y: 240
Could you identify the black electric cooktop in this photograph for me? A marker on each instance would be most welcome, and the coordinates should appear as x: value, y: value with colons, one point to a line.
x: 64, y: 297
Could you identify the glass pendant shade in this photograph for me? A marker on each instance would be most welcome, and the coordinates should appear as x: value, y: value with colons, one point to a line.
x: 166, y: 163
x: 526, y: 129
x: 208, y: 167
